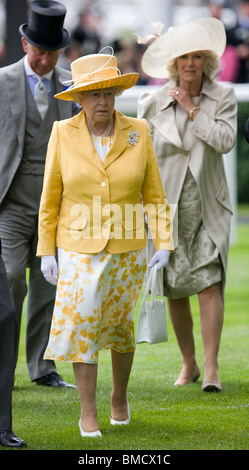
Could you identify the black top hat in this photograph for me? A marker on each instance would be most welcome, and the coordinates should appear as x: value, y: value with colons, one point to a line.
x: 45, y: 27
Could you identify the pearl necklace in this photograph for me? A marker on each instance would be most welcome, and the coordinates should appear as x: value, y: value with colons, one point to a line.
x: 107, y: 131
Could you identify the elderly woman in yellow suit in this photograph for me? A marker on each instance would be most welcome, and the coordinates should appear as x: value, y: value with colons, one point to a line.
x: 99, y: 166
x: 193, y: 122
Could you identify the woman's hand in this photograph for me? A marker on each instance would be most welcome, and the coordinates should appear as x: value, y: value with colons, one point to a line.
x: 183, y: 98
x: 49, y: 269
x: 161, y: 257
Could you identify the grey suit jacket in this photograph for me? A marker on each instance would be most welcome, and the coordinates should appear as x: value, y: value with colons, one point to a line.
x: 13, y: 118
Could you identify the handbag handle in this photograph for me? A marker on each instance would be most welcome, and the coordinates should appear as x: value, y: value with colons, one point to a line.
x: 151, y: 283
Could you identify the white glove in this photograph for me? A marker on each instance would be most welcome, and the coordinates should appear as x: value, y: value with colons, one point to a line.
x: 161, y: 257
x: 49, y: 269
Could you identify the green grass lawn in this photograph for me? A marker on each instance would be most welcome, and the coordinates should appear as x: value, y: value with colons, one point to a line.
x: 162, y: 417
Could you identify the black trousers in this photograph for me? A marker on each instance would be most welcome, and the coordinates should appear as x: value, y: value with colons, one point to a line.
x: 8, y: 331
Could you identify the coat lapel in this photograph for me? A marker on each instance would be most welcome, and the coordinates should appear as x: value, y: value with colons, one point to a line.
x: 16, y: 84
x: 165, y: 122
x: 120, y: 138
x: 79, y: 133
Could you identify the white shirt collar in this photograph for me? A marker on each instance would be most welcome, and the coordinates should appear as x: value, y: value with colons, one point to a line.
x: 29, y: 71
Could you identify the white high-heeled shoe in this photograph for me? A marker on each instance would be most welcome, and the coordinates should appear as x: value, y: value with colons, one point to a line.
x: 211, y: 387
x: 89, y: 434
x: 126, y: 421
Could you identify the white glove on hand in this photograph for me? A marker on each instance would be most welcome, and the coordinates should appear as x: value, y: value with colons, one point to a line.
x: 49, y: 269
x: 161, y: 257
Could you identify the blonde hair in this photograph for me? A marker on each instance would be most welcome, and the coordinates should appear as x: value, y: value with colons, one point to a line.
x: 211, y: 66
x: 78, y: 95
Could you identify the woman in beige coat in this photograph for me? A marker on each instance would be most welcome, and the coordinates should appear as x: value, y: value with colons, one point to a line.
x: 98, y: 165
x: 193, y: 122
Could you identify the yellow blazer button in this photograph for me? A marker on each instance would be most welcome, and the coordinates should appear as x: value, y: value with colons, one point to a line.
x: 103, y: 184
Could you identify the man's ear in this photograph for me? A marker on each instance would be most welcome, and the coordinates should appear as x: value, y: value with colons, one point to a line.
x: 24, y: 45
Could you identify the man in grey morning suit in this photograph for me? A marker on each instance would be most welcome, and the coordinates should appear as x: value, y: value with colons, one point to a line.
x: 24, y: 134
x: 7, y: 339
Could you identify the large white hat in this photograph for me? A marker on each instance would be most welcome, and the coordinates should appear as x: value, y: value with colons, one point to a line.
x: 203, y: 34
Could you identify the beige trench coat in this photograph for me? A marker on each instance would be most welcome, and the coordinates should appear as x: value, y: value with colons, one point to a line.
x: 212, y: 134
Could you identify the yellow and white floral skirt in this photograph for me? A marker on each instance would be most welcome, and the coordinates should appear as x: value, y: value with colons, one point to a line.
x: 94, y: 305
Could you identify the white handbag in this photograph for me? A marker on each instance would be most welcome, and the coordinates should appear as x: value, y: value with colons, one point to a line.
x: 152, y: 322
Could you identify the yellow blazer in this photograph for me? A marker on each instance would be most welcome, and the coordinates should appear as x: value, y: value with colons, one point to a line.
x: 88, y: 205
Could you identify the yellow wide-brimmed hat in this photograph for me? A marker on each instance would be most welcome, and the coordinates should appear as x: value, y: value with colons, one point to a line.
x: 202, y: 34
x: 96, y: 71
